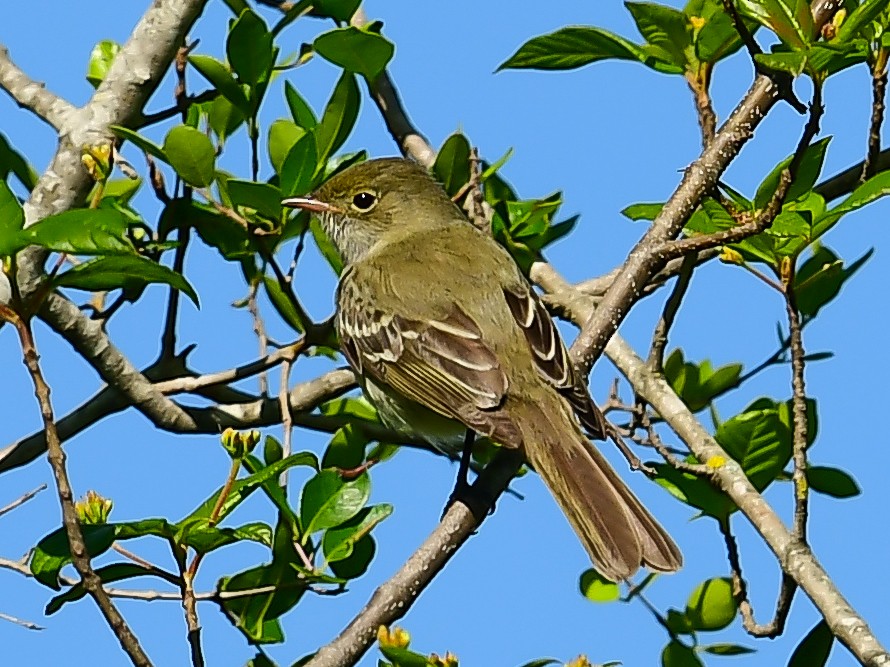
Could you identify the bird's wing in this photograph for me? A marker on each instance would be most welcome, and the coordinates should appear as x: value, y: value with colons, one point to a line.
x: 551, y: 356
x: 442, y: 364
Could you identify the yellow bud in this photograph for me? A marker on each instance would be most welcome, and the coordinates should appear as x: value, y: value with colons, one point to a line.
x: 580, y: 661
x: 239, y: 444
x: 716, y: 462
x: 448, y: 660
x: 393, y: 638
x: 697, y: 22
x: 731, y: 256
x: 97, y: 160
x: 93, y: 508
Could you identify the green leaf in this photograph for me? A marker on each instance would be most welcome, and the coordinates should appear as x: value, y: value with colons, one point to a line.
x: 283, y: 305
x: 82, y: 231
x: 327, y: 500
x: 263, y: 198
x: 242, y: 488
x: 338, y: 543
x: 339, y: 10
x: 108, y: 574
x: 403, y: 657
x: 596, y: 588
x: 452, y: 166
x: 221, y: 78
x: 711, y: 605
x: 191, y: 154
x: 791, y: 20
x: 216, y: 230
x: 820, y: 279
x: 12, y: 220
x: 664, y: 28
x: 718, y: 37
x: 676, y: 654
x: 346, y: 449
x: 339, y: 116
x: 679, y: 623
x: 300, y: 110
x: 101, y: 58
x: 326, y: 247
x: 139, y: 141
x: 760, y: 442
x: 859, y: 19
x: 694, y: 490
x: 727, y: 649
x: 873, y: 189
x: 204, y: 536
x: 356, y: 564
x: 572, y: 47
x: 814, y: 649
x: 127, y: 272
x: 643, y: 211
x: 283, y: 134
x: 790, y: 62
x: 250, y: 50
x: 297, y: 175
x: 53, y: 552
x: 807, y: 173
x: 224, y: 118
x: 832, y: 482
x: 355, y: 50
x: 12, y: 161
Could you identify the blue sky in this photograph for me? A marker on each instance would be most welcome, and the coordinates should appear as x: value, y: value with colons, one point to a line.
x: 608, y: 135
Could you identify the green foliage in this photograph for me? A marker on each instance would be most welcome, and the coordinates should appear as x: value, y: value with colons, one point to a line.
x: 358, y: 50
x: 814, y: 648
x: 699, y: 384
x: 101, y: 59
x: 191, y: 154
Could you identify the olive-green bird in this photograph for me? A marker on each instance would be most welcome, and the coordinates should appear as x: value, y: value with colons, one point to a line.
x: 447, y: 335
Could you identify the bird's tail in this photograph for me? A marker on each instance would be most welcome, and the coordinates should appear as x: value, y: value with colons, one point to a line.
x: 616, y: 530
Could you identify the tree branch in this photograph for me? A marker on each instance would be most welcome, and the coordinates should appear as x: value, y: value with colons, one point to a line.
x: 33, y: 96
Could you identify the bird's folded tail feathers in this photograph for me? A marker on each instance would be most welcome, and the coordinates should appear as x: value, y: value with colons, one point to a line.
x: 618, y: 533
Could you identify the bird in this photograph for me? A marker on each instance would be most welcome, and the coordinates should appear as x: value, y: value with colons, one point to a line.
x: 449, y: 340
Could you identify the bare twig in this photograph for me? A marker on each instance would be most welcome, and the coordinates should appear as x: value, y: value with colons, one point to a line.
x: 878, y: 104
x: 29, y: 625
x: 79, y: 555
x: 260, y: 330
x: 21, y: 500
x: 776, y: 626
x: 671, y: 307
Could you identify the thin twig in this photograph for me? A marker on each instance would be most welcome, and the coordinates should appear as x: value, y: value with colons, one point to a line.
x: 787, y: 588
x: 669, y: 314
x: 79, y: 555
x: 22, y: 499
x: 260, y: 330
x: 287, y: 419
x: 800, y: 430
x: 878, y: 105
x: 29, y: 625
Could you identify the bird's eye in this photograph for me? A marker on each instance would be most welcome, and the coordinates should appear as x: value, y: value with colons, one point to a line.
x: 363, y: 201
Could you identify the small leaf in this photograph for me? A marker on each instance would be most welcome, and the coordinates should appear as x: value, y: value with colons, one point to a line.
x: 807, y: 173
x: 596, y: 588
x: 101, y: 59
x: 339, y: 10
x: 249, y: 49
x: 11, y: 161
x: 790, y: 62
x: 814, y: 649
x: 139, y: 141
x: 191, y: 154
x: 283, y: 304
x: 300, y: 110
x: 339, y: 116
x: 82, y: 231
x: 572, y: 47
x: 727, y: 649
x: 355, y: 50
x: 759, y: 441
x: 664, y: 28
x: 832, y: 482
x: 283, y: 134
x: 221, y: 78
x: 711, y: 605
x: 299, y: 167
x: 357, y: 563
x: 12, y: 220
x: 676, y: 654
x: 128, y: 272
x: 53, y: 552
x: 859, y: 18
x: 452, y: 166
x: 338, y: 543
x: 263, y: 198
x: 327, y: 500
x: 643, y: 211
x: 224, y: 118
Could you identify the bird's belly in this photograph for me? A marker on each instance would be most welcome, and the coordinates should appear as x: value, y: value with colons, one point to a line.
x: 413, y: 420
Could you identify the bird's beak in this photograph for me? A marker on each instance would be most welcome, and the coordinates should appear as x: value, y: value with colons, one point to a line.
x: 307, y: 204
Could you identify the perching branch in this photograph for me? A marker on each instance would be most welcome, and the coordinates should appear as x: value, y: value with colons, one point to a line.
x: 33, y: 96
